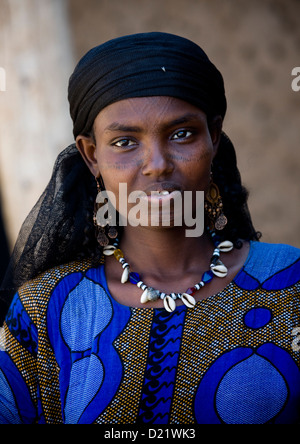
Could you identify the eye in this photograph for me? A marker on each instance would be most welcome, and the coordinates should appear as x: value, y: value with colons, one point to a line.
x: 182, y: 135
x: 124, y: 143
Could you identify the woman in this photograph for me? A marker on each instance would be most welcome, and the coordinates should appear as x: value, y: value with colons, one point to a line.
x: 146, y: 324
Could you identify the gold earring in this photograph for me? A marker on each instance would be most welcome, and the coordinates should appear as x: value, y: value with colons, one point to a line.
x: 106, y: 231
x: 213, y: 206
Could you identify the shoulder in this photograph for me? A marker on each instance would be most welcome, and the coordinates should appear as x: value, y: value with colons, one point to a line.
x: 35, y: 294
x: 277, y: 254
x: 272, y: 266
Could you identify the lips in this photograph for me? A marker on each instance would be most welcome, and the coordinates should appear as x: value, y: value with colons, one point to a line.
x: 161, y: 189
x: 159, y: 193
x: 160, y: 205
x: 164, y: 196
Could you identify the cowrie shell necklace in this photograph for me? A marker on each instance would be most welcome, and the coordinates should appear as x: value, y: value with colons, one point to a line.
x: 217, y: 268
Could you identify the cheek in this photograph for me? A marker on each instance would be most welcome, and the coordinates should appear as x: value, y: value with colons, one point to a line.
x: 114, y: 175
x: 199, y: 152
x: 197, y: 168
x: 118, y: 178
x: 117, y: 164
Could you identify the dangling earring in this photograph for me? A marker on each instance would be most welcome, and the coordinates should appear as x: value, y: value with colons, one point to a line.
x: 214, y: 208
x: 104, y: 230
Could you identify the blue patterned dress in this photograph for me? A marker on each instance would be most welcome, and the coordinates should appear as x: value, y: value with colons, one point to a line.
x: 72, y: 354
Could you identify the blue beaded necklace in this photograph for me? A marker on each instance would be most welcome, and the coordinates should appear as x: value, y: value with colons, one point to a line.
x: 217, y: 268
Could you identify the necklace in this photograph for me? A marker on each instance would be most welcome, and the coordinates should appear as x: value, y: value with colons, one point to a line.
x: 217, y: 268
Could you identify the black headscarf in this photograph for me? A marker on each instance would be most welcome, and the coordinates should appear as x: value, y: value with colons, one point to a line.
x: 59, y: 229
x: 143, y: 65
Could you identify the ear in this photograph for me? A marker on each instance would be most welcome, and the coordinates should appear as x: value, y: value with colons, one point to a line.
x: 87, y: 148
x: 215, y: 129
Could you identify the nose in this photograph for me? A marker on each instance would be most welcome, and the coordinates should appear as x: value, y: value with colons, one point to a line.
x: 157, y: 161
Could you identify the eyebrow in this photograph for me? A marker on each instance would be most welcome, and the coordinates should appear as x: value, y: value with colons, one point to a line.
x: 123, y: 128
x: 184, y: 119
x: 116, y: 126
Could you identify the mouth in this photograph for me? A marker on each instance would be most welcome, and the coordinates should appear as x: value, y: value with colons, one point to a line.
x: 162, y: 205
x: 162, y: 190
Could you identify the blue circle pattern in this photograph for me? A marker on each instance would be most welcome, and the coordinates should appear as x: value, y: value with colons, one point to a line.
x: 231, y: 405
x: 257, y: 317
x: 220, y: 397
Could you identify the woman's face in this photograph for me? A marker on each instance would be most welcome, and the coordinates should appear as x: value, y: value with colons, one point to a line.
x: 153, y: 145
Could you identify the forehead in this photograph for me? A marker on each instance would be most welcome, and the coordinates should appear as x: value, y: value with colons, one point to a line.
x: 146, y: 111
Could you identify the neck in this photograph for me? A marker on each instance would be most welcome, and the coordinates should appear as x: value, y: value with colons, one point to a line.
x: 169, y: 250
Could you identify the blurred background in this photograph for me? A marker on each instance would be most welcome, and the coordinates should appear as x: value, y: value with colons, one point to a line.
x: 255, y: 44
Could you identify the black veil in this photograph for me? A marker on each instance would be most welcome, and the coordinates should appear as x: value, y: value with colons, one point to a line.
x: 56, y: 230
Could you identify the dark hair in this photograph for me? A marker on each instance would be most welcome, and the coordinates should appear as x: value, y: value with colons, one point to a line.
x: 234, y: 195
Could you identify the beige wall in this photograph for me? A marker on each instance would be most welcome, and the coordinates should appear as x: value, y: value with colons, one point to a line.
x: 36, y: 53
x: 254, y: 43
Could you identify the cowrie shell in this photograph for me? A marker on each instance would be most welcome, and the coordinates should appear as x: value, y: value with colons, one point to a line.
x: 144, y: 297
x: 188, y: 300
x: 109, y: 250
x: 169, y: 304
x: 150, y: 294
x: 125, y: 275
x: 219, y: 270
x: 225, y: 246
